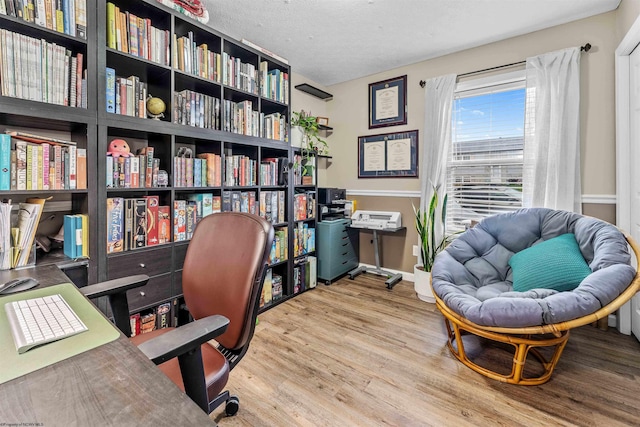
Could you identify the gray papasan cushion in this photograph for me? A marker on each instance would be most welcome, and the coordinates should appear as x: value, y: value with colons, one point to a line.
x: 473, y: 277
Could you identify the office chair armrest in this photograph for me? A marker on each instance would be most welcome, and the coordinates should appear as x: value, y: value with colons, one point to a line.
x: 114, y: 286
x: 116, y: 290
x: 184, y: 339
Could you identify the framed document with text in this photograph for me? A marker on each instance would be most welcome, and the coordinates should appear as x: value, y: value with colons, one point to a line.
x: 388, y: 155
x: 388, y: 102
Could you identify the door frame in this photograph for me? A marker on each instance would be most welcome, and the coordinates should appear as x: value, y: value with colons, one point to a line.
x: 623, y: 146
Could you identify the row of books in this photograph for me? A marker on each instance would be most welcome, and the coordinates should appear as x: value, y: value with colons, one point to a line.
x: 239, y: 117
x: 202, y: 171
x: 196, y: 60
x: 304, y: 239
x: 196, y: 109
x: 272, y: 170
x: 239, y: 201
x: 136, y: 223
x: 151, y: 319
x: 274, y: 126
x: 273, y: 206
x: 139, y: 171
x: 238, y: 74
x: 132, y: 34
x: 280, y: 246
x: 240, y: 170
x: 271, y: 288
x: 63, y: 16
x: 76, y: 236
x: 305, y: 274
x: 36, y: 70
x: 40, y: 165
x: 126, y: 96
x: 140, y: 222
x: 304, y: 205
x: 274, y: 84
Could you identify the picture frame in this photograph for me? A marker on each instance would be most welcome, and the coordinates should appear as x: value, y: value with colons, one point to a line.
x: 389, y: 155
x: 322, y: 121
x: 388, y: 102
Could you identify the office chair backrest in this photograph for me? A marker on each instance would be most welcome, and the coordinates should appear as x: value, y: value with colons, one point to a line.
x: 224, y: 269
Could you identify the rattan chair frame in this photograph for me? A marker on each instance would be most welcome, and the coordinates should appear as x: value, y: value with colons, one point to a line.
x: 527, y: 340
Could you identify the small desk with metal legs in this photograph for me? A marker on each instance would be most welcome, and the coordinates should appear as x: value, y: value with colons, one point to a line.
x: 392, y: 278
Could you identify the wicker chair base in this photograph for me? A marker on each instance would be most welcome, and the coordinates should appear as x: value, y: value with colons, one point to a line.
x: 523, y: 344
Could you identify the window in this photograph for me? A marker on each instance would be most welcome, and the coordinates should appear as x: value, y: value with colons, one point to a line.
x: 484, y: 170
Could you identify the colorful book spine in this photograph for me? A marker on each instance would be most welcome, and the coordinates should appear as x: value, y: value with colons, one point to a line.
x: 69, y: 244
x: 81, y: 168
x: 152, y: 220
x: 164, y: 224
x: 111, y: 90
x: 179, y: 220
x: 111, y: 25
x: 115, y: 212
x: 5, y: 162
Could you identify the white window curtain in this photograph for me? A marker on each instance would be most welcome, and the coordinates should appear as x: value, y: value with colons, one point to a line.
x: 551, y: 172
x: 438, y: 95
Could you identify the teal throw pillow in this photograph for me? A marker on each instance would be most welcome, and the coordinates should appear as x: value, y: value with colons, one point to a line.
x: 553, y: 264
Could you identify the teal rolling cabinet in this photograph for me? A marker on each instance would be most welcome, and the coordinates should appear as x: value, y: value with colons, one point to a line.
x: 337, y: 248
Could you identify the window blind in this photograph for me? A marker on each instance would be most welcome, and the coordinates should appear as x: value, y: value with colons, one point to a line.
x: 484, y: 169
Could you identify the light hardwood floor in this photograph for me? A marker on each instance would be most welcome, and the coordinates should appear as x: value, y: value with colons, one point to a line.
x: 357, y: 354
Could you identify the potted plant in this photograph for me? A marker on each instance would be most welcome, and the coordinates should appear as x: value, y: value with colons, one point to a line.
x: 432, y: 240
x: 305, y: 133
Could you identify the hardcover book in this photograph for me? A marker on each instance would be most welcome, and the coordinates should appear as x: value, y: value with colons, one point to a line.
x: 115, y: 211
x: 152, y: 220
x: 111, y: 90
x: 164, y: 224
x: 163, y: 314
x: 129, y: 213
x: 179, y: 220
x: 140, y: 223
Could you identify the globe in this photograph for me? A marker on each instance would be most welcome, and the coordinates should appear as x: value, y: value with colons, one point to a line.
x: 155, y: 107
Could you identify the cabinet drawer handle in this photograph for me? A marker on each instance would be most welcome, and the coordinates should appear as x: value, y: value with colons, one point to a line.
x: 142, y: 265
x: 142, y: 293
x: 344, y: 253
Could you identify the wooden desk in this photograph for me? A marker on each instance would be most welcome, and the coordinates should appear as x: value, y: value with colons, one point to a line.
x: 111, y: 385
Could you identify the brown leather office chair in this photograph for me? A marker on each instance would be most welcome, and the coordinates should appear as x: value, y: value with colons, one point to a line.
x: 222, y: 279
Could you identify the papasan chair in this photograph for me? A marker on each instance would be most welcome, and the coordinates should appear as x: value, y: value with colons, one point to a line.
x: 525, y: 278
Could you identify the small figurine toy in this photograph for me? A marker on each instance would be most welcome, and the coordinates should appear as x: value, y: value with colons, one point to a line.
x: 119, y: 148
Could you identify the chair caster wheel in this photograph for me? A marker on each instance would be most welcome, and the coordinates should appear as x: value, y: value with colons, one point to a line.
x: 232, y: 406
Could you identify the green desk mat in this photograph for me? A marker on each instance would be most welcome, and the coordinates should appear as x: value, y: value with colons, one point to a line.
x: 100, y: 331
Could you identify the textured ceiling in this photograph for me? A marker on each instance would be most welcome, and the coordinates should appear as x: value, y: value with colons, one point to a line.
x: 332, y: 41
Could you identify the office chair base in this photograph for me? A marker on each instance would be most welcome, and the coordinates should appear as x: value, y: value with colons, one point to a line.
x: 232, y: 403
x: 232, y: 406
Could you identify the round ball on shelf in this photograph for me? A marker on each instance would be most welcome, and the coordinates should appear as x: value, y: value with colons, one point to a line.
x: 155, y: 106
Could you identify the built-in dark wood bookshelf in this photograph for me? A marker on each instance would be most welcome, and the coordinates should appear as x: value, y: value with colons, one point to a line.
x: 158, y: 71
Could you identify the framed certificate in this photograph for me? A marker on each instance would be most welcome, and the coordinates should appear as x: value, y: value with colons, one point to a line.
x: 388, y: 102
x: 388, y: 155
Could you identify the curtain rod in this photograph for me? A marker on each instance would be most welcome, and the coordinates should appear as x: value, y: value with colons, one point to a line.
x: 584, y: 48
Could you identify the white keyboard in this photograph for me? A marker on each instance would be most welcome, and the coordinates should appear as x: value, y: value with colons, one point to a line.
x: 41, y: 320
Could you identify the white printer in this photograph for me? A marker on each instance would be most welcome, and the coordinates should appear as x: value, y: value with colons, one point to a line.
x: 377, y: 220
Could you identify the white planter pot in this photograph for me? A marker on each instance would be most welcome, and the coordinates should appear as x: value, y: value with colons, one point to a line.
x: 422, y: 284
x: 296, y: 136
